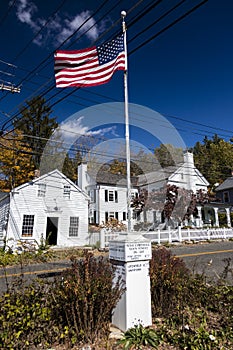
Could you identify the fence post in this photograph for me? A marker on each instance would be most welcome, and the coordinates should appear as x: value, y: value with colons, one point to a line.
x: 179, y: 234
x: 159, y: 236
x: 224, y: 233
x: 102, y: 238
x: 189, y: 236
x: 169, y: 235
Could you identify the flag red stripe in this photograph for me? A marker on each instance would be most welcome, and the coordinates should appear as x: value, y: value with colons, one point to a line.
x: 91, y: 74
x: 91, y: 79
x: 82, y: 67
x: 80, y: 71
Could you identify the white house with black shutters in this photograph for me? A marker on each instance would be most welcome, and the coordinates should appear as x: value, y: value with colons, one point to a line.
x: 107, y: 192
x: 50, y: 206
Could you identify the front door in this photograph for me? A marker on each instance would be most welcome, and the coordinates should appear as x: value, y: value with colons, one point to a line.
x: 51, y: 230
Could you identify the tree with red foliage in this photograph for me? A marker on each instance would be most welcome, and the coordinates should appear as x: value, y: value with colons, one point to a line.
x: 174, y: 202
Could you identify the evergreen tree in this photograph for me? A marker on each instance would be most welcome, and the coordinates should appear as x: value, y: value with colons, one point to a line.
x: 36, y: 126
x: 168, y: 155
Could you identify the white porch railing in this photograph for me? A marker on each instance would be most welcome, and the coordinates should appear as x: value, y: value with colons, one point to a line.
x: 166, y: 236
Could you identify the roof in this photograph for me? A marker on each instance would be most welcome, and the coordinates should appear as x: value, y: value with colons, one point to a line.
x: 108, y: 178
x: 227, y: 184
x: 52, y: 173
x: 156, y: 176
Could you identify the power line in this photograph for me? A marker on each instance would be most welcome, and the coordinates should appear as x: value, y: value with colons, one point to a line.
x: 61, y: 99
x: 168, y: 26
x: 47, y: 58
x: 4, y: 16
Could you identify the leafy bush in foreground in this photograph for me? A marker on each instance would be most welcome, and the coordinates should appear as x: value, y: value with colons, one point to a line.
x: 168, y: 274
x: 193, y: 314
x: 25, y: 315
x: 74, y: 309
x: 86, y: 298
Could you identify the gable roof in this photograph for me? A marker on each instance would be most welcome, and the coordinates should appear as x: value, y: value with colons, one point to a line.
x: 195, y: 172
x: 226, y: 185
x: 160, y: 175
x: 52, y: 173
x: 108, y: 178
x: 168, y: 174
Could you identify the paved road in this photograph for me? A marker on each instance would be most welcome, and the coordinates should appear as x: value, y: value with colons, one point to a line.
x: 207, y: 258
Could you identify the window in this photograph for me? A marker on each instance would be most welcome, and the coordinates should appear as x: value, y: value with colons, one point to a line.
x: 134, y: 195
x: 92, y: 195
x: 226, y: 197
x: 111, y: 215
x: 124, y: 215
x: 111, y: 196
x: 66, y: 191
x: 41, y: 190
x: 27, y: 227
x: 73, y: 229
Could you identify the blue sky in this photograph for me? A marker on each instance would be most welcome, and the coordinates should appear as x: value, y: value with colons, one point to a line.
x: 185, y: 73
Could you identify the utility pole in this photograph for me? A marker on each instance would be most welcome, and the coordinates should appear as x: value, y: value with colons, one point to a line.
x: 5, y: 85
x: 10, y: 88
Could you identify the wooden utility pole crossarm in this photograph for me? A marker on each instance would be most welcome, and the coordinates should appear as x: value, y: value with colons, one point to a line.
x: 10, y: 88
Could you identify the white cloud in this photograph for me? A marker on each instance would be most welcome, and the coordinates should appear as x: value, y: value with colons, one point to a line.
x: 25, y: 11
x: 58, y: 28
x: 71, y: 130
x: 70, y: 25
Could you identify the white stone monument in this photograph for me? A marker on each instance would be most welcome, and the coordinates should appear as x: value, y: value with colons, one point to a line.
x: 130, y: 254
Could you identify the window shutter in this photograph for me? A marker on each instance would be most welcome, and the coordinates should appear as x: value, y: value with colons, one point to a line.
x: 116, y: 197
x: 106, y: 195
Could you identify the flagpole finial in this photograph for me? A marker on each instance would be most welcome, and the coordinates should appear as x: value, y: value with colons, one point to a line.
x: 123, y: 14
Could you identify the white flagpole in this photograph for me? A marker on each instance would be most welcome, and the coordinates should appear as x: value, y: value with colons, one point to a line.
x: 127, y: 139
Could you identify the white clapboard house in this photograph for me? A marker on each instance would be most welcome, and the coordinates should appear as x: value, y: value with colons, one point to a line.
x: 184, y: 176
x: 107, y: 194
x: 108, y: 191
x: 50, y: 206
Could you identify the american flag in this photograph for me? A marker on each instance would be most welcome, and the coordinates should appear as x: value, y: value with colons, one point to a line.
x: 89, y: 67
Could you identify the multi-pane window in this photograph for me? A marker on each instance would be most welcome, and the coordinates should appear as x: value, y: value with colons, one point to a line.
x: 111, y: 215
x: 73, y: 229
x: 41, y: 190
x: 111, y: 196
x: 27, y: 227
x: 66, y: 191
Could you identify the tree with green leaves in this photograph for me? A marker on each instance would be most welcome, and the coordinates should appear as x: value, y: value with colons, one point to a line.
x: 36, y: 125
x: 168, y: 155
x: 214, y: 159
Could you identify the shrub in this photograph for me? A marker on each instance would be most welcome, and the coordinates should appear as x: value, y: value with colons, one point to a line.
x: 86, y: 298
x: 168, y: 274
x: 25, y: 318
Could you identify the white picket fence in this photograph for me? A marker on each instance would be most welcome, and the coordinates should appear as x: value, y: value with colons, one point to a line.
x: 166, y: 236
